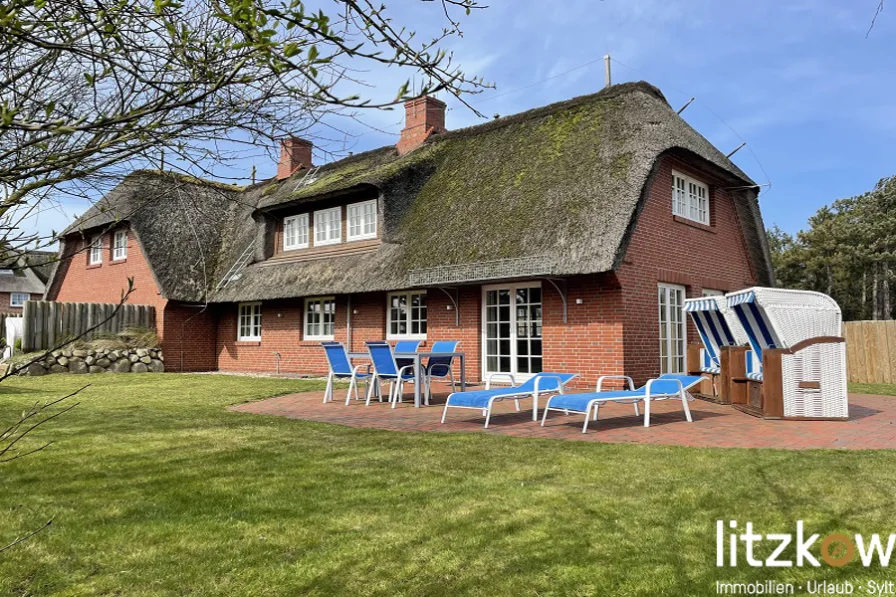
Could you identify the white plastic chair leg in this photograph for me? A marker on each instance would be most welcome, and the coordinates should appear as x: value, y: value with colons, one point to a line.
x: 587, y: 417
x: 544, y: 415
x: 647, y: 412
x: 444, y: 412
x: 637, y: 410
x: 517, y: 402
x: 353, y: 383
x: 488, y: 415
x: 329, y: 388
x: 372, y: 384
x: 684, y: 403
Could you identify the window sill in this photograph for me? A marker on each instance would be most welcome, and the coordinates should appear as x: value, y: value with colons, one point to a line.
x: 117, y: 261
x: 94, y: 265
x: 694, y: 224
x: 16, y: 306
x: 248, y: 342
x: 421, y: 339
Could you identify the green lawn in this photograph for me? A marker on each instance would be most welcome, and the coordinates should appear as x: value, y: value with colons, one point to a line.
x: 873, y: 388
x: 156, y: 489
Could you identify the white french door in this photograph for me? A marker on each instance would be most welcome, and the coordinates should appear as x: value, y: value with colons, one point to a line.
x: 672, y: 328
x: 511, y: 329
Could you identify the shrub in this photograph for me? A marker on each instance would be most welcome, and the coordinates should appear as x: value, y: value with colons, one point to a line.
x: 133, y: 337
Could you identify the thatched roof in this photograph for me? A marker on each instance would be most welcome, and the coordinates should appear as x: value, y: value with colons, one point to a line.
x: 561, y: 184
x: 29, y: 271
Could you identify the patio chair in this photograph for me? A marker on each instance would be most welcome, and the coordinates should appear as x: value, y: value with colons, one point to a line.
x: 538, y: 384
x: 406, y: 346
x: 385, y: 368
x: 795, y: 337
x: 439, y: 367
x: 341, y: 368
x: 665, y: 387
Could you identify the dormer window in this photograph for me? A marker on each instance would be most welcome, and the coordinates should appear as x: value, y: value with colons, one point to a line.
x: 362, y: 220
x: 295, y: 232
x: 328, y: 227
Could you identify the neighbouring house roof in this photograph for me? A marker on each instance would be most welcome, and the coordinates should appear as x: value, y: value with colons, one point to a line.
x: 559, y: 186
x: 29, y: 271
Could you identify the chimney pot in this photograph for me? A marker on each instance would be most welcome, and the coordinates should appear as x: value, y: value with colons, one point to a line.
x: 295, y: 154
x: 424, y: 116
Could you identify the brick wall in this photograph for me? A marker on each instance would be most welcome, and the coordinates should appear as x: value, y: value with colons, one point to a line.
x: 666, y: 249
x: 4, y: 304
x: 189, y: 335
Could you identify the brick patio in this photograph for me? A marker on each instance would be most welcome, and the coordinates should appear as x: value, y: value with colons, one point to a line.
x: 871, y: 424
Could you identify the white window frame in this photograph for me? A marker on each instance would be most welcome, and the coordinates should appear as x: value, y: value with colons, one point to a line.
x: 120, y: 249
x: 96, y: 250
x: 359, y: 209
x: 329, y: 238
x: 21, y: 302
x: 686, y: 199
x: 514, y: 370
x: 254, y: 310
x: 301, y: 223
x: 306, y: 331
x: 408, y: 294
x: 665, y: 313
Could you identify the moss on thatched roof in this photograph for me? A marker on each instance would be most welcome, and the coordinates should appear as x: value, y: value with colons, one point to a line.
x: 562, y: 182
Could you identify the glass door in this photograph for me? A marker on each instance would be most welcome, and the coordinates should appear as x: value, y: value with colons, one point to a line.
x: 512, y: 329
x: 672, y: 330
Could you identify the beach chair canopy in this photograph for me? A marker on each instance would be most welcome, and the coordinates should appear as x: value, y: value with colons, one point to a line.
x: 717, y: 325
x: 779, y: 318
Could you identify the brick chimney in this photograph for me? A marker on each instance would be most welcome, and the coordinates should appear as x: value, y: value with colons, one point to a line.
x: 295, y: 153
x: 423, y: 116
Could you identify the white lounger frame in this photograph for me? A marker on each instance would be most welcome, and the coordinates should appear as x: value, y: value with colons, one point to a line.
x: 515, y: 396
x: 591, y: 410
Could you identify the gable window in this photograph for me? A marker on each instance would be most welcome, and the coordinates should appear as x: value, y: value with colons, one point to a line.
x: 407, y: 315
x: 5, y: 272
x: 690, y: 198
x: 96, y: 250
x: 711, y: 292
x: 295, y: 232
x: 17, y: 299
x: 249, y: 322
x: 320, y: 318
x: 328, y: 226
x: 362, y: 220
x: 120, y: 245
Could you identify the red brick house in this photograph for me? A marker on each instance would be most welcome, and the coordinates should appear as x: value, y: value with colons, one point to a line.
x: 562, y: 238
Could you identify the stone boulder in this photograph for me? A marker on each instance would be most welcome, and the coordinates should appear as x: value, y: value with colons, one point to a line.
x: 77, y: 366
x: 121, y: 366
x: 139, y: 367
x: 35, y: 369
x: 156, y: 366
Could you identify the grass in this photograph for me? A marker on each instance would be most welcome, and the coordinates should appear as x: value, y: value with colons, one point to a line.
x: 156, y: 489
x: 873, y: 388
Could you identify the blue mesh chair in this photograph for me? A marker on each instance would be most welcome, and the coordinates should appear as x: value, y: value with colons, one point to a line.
x: 439, y: 367
x: 535, y: 386
x: 386, y: 369
x: 406, y: 346
x: 670, y: 386
x: 341, y: 368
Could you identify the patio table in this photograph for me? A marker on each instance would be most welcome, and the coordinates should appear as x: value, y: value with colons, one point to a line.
x: 418, y: 357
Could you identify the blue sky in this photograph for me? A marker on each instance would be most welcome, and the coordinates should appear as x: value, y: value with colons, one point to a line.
x: 797, y: 79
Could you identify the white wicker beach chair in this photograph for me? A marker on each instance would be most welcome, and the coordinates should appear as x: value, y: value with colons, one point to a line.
x: 796, y: 336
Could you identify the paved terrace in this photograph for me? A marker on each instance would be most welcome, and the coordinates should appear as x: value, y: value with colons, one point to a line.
x: 871, y: 424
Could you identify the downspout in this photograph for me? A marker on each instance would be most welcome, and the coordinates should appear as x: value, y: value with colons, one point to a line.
x: 348, y: 322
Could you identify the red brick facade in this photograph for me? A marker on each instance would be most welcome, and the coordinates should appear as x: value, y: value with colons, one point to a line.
x: 80, y: 281
x: 612, y: 322
x: 665, y: 248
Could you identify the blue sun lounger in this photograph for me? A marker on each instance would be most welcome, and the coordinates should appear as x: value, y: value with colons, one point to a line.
x: 665, y: 387
x: 540, y: 383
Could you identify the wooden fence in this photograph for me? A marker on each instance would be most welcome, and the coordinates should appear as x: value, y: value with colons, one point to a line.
x: 48, y: 323
x: 870, y: 351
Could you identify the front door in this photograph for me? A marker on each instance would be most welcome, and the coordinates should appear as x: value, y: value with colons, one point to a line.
x: 511, y: 323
